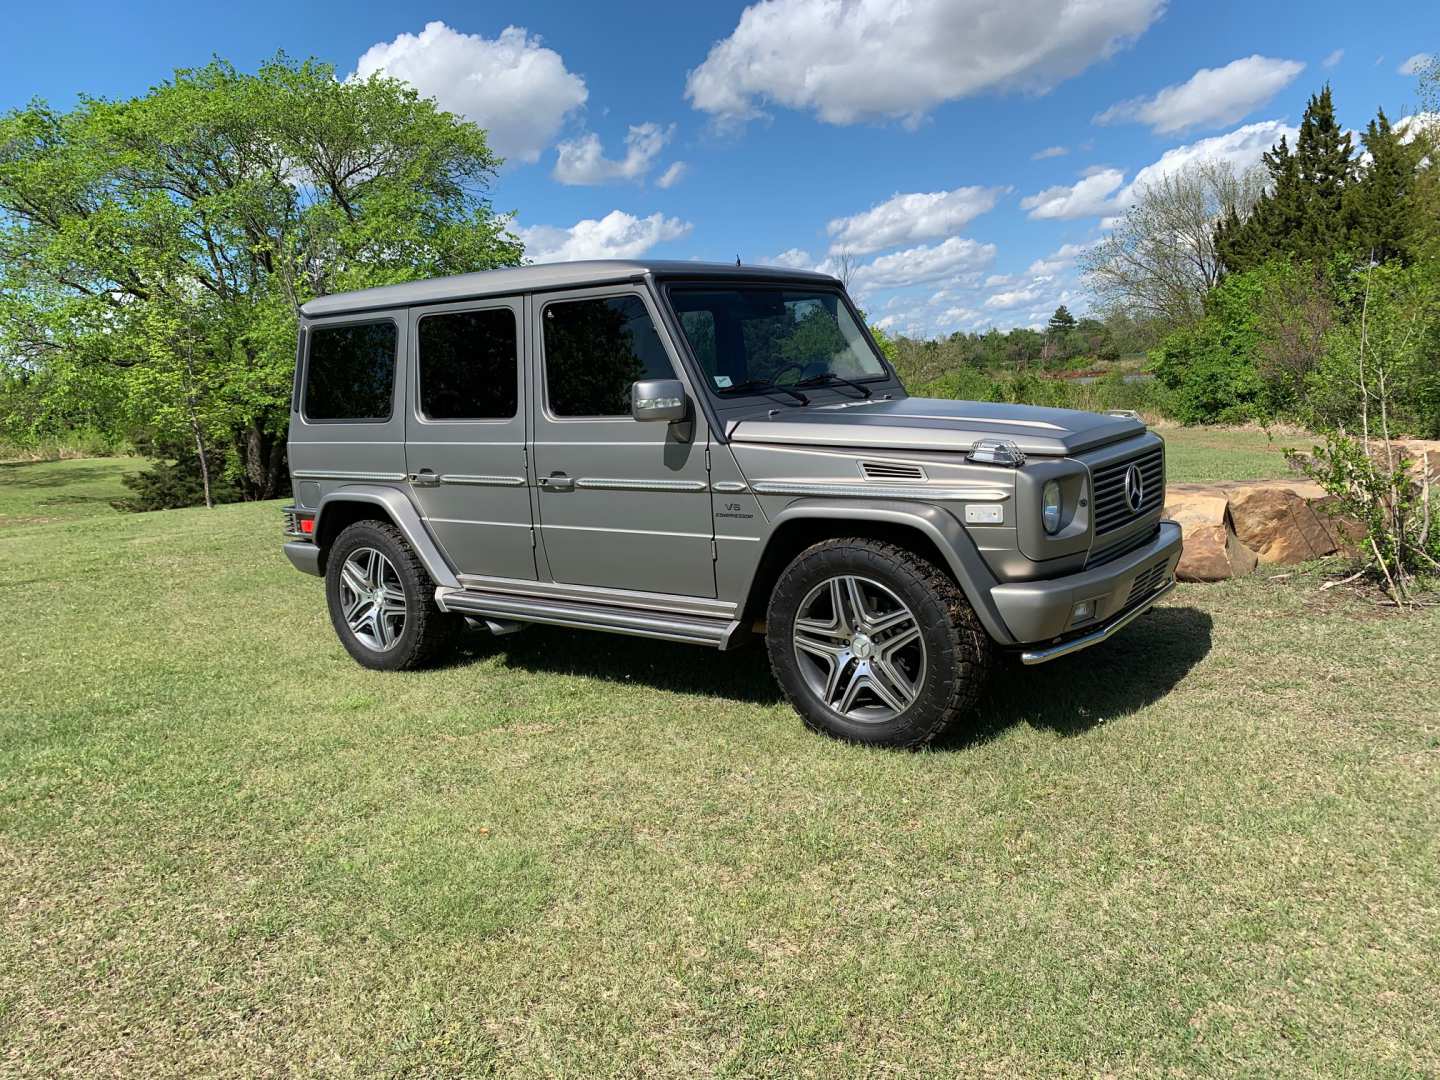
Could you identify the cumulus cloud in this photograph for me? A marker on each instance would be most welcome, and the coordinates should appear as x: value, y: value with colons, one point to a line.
x: 1333, y: 59
x: 904, y: 219
x: 1414, y: 65
x: 864, y: 60
x: 1049, y: 152
x: 1091, y: 196
x: 512, y: 86
x: 1242, y: 149
x: 793, y: 258
x: 1013, y: 298
x: 583, y: 160
x: 617, y: 235
x: 1211, y: 97
x: 673, y: 175
x: 1061, y: 259
x: 925, y: 263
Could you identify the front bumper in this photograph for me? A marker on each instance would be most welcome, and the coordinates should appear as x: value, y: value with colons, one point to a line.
x: 1042, y: 613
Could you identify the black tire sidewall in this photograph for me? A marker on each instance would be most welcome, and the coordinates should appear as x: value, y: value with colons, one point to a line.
x: 404, y: 654
x: 932, y: 709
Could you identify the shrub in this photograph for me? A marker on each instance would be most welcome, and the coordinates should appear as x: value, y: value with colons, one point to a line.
x: 173, y: 481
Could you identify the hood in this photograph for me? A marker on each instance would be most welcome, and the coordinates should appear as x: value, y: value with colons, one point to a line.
x: 938, y: 424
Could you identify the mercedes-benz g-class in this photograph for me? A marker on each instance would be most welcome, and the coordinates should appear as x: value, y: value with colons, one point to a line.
x: 700, y: 453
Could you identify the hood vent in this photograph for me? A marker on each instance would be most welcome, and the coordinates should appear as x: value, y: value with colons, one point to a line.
x: 892, y: 471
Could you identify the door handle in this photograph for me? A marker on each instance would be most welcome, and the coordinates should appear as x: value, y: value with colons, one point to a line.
x: 557, y: 482
x: 424, y: 478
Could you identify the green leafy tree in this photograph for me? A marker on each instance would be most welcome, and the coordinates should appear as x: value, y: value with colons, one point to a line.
x: 163, y: 245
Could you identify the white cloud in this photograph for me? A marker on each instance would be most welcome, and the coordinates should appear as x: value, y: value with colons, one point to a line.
x: 994, y: 281
x: 1211, y: 97
x: 1049, y: 152
x: 1241, y: 148
x: 794, y: 258
x: 863, y: 60
x: 513, y: 87
x: 583, y: 160
x: 1058, y: 260
x: 1087, y: 198
x: 1014, y: 298
x: 1333, y: 59
x: 617, y: 235
x: 904, y: 219
x: 1415, y: 64
x: 1408, y: 127
x: 672, y: 176
x: 917, y: 265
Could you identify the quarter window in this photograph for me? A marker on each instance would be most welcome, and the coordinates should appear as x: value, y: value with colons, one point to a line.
x: 594, y: 350
x: 351, y: 371
x: 469, y: 366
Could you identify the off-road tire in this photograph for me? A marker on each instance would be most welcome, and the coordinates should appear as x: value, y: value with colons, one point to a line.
x: 959, y: 654
x: 427, y: 630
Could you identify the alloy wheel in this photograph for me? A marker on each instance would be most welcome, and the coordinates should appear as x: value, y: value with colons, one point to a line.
x: 859, y: 648
x: 372, y: 599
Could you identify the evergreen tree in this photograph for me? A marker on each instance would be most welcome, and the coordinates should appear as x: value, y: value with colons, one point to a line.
x: 1062, y: 321
x: 1380, y: 204
x: 1304, y: 212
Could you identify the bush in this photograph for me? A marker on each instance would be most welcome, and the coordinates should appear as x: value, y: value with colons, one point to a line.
x: 174, y: 481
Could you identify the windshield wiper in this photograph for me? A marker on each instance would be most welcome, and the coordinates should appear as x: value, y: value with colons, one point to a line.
x: 829, y: 378
x: 762, y: 385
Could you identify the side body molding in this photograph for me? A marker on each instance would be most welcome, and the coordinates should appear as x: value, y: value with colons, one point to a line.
x: 402, y: 512
x: 947, y: 534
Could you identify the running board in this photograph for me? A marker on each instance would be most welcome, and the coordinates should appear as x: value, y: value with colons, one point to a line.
x: 692, y: 629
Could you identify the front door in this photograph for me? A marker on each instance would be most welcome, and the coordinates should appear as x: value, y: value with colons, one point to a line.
x: 623, y: 504
x: 465, y: 436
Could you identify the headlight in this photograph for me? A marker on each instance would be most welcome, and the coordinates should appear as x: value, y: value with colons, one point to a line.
x: 1050, y: 506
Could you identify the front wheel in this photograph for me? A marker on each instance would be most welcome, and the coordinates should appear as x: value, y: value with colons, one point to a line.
x: 874, y: 644
x: 381, y: 599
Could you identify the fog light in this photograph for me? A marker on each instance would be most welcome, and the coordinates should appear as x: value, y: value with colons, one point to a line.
x: 1082, y: 611
x: 1050, y: 507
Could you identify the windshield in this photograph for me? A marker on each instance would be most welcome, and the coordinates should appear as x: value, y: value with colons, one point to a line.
x: 748, y: 336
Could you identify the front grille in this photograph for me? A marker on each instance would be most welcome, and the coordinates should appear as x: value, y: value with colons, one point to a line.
x: 1112, y: 510
x: 1148, y: 581
x: 1100, y: 556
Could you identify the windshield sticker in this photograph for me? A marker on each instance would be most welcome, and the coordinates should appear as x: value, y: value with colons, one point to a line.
x: 723, y: 381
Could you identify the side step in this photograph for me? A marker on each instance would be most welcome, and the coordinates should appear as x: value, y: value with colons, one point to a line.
x: 692, y: 629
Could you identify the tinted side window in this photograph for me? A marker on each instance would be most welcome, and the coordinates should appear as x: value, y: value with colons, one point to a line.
x: 468, y: 365
x: 351, y: 373
x: 594, y: 350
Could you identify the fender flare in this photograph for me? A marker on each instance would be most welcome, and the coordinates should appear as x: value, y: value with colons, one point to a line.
x: 402, y: 512
x: 940, y: 527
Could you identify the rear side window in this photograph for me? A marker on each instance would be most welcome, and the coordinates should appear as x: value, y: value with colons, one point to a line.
x: 469, y: 367
x: 351, y: 372
x: 594, y: 350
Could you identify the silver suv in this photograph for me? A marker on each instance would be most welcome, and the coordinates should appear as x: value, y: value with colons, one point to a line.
x: 701, y: 453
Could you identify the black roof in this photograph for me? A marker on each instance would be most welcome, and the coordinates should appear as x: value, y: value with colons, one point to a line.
x: 541, y: 277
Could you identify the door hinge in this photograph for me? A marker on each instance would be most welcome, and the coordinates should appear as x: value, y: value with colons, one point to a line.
x: 525, y: 458
x: 532, y: 539
x: 707, y: 459
x: 714, y: 551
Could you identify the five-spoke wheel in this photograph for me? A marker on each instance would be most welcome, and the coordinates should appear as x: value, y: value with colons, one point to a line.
x: 372, y: 598
x: 874, y: 643
x: 859, y: 647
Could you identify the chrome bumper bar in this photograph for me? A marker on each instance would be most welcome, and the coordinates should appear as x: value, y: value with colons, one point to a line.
x: 1104, y: 633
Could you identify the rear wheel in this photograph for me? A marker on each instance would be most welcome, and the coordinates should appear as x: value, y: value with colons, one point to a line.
x: 381, y: 599
x: 875, y: 644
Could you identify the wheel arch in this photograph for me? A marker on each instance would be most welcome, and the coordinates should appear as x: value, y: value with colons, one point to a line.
x: 344, y: 506
x: 928, y: 531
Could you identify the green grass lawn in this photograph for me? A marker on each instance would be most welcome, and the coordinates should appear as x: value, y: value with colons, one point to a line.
x: 1214, y: 454
x: 35, y: 492
x: 1208, y: 847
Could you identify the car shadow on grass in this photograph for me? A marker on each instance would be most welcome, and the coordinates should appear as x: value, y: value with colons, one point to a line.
x: 1067, y: 696
x: 1074, y: 694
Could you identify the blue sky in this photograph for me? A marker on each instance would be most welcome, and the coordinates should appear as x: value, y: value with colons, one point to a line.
x: 961, y: 153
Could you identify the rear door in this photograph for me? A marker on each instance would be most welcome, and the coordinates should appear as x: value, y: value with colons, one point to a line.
x: 623, y: 504
x: 465, y: 435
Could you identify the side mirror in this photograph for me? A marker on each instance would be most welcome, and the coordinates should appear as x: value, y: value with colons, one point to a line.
x: 659, y: 399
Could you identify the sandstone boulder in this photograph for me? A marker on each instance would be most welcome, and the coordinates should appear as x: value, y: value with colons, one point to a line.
x: 1212, y: 550
x: 1279, y: 525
